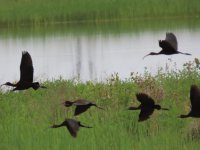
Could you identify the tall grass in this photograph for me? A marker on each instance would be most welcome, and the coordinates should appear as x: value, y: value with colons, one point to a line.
x: 37, y: 11
x: 25, y: 116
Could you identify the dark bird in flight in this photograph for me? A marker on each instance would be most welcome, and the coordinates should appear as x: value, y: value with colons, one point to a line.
x: 81, y: 105
x: 72, y: 125
x: 147, y: 106
x: 195, y: 103
x: 169, y: 46
x: 26, y: 75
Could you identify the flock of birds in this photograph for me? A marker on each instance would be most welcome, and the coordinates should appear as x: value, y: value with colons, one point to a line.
x: 169, y: 46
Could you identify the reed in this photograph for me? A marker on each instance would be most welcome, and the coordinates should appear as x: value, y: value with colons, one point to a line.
x: 37, y: 11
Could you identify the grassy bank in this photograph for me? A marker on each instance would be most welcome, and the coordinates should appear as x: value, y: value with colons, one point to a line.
x: 37, y: 11
x: 25, y: 116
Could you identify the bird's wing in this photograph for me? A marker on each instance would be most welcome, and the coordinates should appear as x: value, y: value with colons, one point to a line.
x: 26, y: 68
x: 171, y: 39
x: 72, y: 126
x: 80, y: 109
x: 145, y: 113
x: 195, y: 98
x: 144, y: 99
x: 81, y: 102
x: 166, y: 47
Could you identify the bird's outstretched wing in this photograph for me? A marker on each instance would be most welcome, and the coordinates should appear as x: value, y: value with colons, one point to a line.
x: 195, y: 98
x: 144, y: 99
x: 81, y: 102
x: 145, y: 113
x: 171, y: 39
x: 26, y: 68
x: 72, y: 126
x: 80, y: 109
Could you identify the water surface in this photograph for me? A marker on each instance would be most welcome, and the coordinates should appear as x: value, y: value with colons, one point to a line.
x: 95, y: 51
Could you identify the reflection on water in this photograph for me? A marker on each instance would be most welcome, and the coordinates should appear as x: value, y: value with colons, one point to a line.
x: 92, y: 56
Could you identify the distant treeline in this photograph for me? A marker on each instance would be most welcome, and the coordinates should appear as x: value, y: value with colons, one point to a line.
x: 48, y: 11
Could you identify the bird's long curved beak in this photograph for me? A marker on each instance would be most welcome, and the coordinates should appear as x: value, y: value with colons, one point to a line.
x: 145, y: 56
x: 2, y: 84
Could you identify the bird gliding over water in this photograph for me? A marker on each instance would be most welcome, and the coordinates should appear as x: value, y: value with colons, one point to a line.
x: 26, y: 74
x: 195, y: 103
x: 169, y: 46
x: 147, y: 106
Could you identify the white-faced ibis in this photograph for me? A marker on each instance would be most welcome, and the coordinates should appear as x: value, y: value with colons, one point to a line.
x: 72, y: 125
x: 195, y: 103
x: 169, y: 46
x: 81, y: 105
x: 147, y: 106
x: 26, y: 75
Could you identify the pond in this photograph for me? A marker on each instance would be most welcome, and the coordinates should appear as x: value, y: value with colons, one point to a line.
x: 94, y: 51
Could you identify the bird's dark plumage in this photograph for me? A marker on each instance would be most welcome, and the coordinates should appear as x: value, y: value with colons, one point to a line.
x: 81, y: 105
x: 147, y: 106
x: 72, y: 126
x: 26, y: 68
x: 195, y: 103
x: 26, y: 74
x: 169, y: 46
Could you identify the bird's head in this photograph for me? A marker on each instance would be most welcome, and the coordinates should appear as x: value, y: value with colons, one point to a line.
x: 158, y: 107
x: 37, y: 85
x: 7, y: 83
x: 67, y: 103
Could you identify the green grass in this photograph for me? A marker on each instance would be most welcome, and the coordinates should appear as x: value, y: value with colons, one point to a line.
x: 26, y: 115
x: 45, y: 11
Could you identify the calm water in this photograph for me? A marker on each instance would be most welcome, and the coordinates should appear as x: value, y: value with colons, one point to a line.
x: 93, y: 52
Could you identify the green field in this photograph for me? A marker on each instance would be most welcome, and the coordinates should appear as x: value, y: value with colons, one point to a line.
x: 26, y: 115
x: 52, y: 11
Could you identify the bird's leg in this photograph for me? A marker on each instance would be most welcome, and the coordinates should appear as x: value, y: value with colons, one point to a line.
x: 164, y: 108
x: 84, y: 126
x: 184, y: 53
x: 98, y: 107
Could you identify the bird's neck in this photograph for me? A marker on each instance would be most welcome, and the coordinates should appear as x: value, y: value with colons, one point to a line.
x: 11, y: 84
x: 134, y: 108
x: 153, y: 53
x: 184, y: 116
x: 57, y: 125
